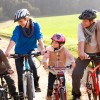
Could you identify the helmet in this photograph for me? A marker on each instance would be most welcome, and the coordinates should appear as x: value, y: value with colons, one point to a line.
x: 22, y: 13
x: 89, y: 14
x: 59, y: 38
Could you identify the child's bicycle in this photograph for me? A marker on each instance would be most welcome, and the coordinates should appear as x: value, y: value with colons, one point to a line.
x: 59, y: 91
x: 28, y: 80
x: 93, y: 80
x: 4, y: 92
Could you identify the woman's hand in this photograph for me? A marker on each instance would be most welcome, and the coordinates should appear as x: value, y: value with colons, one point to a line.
x: 7, y: 54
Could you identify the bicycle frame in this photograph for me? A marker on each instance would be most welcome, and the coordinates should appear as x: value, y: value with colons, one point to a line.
x: 3, y: 88
x: 58, y: 84
x: 27, y: 71
x: 95, y: 77
x: 27, y: 76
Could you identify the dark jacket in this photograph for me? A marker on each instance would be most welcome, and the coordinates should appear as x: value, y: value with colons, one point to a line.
x: 4, y: 64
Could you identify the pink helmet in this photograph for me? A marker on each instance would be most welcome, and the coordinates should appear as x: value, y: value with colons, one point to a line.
x: 59, y: 38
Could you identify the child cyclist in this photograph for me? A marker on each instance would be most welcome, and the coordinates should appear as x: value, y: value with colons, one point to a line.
x: 6, y: 68
x: 56, y: 53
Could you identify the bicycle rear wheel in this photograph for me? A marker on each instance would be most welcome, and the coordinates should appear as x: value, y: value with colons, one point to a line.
x: 62, y: 95
x: 29, y: 87
x: 91, y: 87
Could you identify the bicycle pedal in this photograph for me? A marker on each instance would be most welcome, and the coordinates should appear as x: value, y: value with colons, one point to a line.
x: 89, y: 86
x: 37, y: 90
x: 89, y: 91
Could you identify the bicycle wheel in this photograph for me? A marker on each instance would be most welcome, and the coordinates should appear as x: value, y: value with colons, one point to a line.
x: 99, y: 84
x: 90, y: 87
x: 29, y: 88
x: 3, y: 96
x: 62, y: 95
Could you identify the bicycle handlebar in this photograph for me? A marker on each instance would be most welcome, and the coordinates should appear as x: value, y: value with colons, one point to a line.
x: 56, y: 70
x: 25, y: 55
x: 94, y: 56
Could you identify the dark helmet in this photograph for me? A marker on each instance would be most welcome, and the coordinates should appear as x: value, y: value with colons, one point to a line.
x: 22, y: 13
x: 89, y: 14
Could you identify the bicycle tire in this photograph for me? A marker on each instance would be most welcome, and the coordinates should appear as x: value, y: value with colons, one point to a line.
x: 4, y: 96
x: 99, y: 84
x: 29, y: 88
x: 91, y: 88
x: 62, y: 95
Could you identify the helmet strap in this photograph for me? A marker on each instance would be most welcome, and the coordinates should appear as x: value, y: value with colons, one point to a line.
x: 26, y: 23
x: 55, y: 49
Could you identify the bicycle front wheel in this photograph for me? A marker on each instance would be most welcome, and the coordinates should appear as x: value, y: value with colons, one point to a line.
x: 3, y: 95
x: 62, y: 95
x: 99, y: 84
x: 29, y: 88
x: 91, y: 87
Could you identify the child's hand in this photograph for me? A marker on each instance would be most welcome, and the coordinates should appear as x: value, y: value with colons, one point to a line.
x: 73, y: 64
x: 45, y: 65
x: 10, y: 71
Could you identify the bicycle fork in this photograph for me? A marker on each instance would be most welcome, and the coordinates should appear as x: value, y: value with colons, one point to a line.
x: 25, y: 84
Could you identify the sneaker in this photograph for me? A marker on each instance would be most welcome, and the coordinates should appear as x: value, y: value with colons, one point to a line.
x: 48, y: 98
x: 76, y: 98
x: 37, y: 89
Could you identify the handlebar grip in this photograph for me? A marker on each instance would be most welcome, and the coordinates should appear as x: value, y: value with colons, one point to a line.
x: 70, y: 66
x: 14, y: 55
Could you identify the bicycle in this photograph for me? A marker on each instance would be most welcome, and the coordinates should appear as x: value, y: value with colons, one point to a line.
x: 59, y: 91
x: 93, y: 80
x: 4, y: 93
x: 28, y: 80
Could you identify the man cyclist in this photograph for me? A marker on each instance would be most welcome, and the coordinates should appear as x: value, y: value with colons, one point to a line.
x: 88, y: 43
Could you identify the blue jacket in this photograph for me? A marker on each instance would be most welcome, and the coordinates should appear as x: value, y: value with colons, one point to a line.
x: 24, y: 44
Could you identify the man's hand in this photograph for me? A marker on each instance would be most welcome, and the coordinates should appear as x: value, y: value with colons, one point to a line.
x: 83, y: 55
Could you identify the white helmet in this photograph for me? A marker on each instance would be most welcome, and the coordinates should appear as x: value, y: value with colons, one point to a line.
x: 22, y: 13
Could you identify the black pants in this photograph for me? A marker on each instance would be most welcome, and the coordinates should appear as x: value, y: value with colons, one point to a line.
x: 78, y: 74
x: 19, y: 67
x: 11, y: 85
x: 51, y: 80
